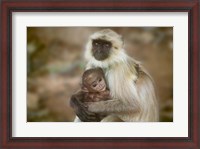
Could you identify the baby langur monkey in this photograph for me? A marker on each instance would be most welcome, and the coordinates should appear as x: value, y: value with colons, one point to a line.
x: 94, y: 89
x: 94, y: 86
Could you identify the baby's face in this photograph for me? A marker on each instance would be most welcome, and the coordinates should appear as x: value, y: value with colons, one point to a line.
x: 98, y: 84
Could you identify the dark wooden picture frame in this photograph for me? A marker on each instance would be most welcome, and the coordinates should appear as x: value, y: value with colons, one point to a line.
x: 9, y: 6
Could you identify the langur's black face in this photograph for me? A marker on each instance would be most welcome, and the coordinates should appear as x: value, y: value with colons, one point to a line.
x: 101, y: 49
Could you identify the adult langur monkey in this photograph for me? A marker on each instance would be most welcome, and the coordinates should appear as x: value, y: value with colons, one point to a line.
x: 131, y: 87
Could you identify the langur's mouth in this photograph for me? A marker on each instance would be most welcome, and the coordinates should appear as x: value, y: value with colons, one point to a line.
x: 100, y: 57
x: 102, y: 88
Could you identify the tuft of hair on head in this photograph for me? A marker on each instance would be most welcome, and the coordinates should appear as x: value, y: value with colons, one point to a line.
x: 108, y: 35
x: 91, y: 71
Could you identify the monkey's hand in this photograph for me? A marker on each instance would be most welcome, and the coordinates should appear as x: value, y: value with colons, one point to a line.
x: 82, y: 112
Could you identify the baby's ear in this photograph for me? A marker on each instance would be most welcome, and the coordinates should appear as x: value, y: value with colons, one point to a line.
x: 99, y: 69
x: 84, y: 89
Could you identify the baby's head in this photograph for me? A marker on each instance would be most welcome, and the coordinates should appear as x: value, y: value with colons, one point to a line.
x: 93, y: 80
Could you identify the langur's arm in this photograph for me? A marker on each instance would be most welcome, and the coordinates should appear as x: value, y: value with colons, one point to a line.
x: 112, y: 106
x: 101, y: 97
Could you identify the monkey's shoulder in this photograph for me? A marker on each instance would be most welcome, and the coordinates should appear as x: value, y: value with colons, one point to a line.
x: 142, y: 73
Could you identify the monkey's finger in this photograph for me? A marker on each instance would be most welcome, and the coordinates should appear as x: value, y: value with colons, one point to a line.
x: 89, y: 115
x: 89, y: 119
x: 92, y: 118
x: 88, y: 112
x: 85, y: 117
x: 82, y: 113
x: 86, y: 104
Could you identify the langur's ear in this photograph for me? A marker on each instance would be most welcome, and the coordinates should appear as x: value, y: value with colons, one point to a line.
x: 84, y: 89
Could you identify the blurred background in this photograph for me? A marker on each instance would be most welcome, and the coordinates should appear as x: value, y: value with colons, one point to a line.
x: 55, y: 64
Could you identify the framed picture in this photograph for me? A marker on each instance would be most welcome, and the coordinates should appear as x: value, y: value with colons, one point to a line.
x: 51, y: 53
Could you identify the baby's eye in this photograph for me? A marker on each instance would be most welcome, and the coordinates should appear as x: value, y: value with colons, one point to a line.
x: 94, y: 85
x: 100, y: 79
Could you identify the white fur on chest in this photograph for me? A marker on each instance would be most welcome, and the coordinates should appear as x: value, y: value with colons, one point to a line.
x: 121, y: 83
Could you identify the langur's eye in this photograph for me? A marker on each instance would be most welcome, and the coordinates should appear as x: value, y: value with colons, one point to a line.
x: 94, y: 85
x: 96, y: 43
